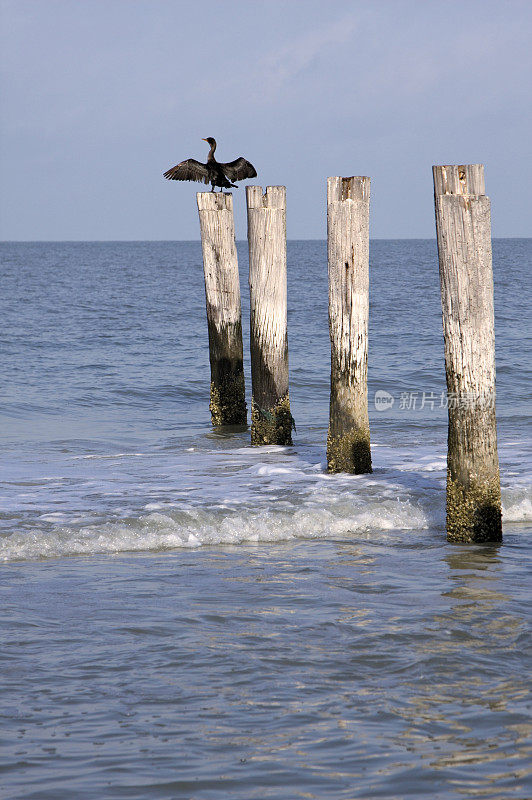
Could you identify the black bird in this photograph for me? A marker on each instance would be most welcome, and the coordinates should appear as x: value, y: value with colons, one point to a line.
x: 212, y: 172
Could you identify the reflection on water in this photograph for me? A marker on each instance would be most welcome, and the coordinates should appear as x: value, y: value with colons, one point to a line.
x: 390, y: 666
x: 462, y: 710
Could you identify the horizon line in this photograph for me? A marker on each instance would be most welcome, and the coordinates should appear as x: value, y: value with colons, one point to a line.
x: 198, y: 241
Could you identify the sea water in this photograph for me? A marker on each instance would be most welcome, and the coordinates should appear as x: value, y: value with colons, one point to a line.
x: 184, y: 616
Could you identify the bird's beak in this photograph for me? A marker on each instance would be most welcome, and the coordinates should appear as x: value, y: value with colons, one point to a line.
x: 204, y: 140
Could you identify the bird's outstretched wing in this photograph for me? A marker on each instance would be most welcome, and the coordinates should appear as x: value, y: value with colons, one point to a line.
x: 189, y: 170
x: 239, y: 169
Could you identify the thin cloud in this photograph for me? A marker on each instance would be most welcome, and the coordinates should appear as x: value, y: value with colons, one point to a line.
x: 286, y: 63
x: 270, y: 75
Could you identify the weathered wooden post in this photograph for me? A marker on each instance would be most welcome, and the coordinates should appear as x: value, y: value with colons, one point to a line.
x: 348, y: 444
x: 271, y: 421
x: 224, y: 317
x: 463, y: 229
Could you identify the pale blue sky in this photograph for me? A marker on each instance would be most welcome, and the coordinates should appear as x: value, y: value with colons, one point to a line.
x: 99, y: 97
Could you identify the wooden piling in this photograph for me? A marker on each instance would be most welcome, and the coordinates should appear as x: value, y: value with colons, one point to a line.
x: 224, y: 316
x: 463, y: 229
x: 271, y: 421
x: 348, y: 441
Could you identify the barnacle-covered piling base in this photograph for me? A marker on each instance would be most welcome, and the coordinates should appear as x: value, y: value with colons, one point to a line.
x: 272, y: 425
x: 474, y: 511
x: 350, y: 452
x: 228, y: 401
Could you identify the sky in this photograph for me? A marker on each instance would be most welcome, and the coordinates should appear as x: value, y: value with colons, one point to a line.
x: 99, y: 98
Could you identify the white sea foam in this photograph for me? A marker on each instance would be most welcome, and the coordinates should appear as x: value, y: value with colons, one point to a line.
x: 97, y: 456
x: 517, y: 504
x: 198, y: 527
x: 227, y: 497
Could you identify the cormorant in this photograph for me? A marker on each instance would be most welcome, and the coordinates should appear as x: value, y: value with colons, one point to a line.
x: 212, y: 172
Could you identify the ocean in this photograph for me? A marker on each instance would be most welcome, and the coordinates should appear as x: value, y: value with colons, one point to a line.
x: 185, y: 616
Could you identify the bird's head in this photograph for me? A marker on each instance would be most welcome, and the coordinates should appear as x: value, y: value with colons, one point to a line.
x: 209, y: 140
